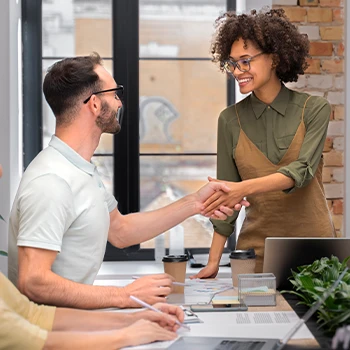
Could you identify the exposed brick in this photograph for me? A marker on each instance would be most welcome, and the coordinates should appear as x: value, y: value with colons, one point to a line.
x: 339, y: 113
x: 321, y: 49
x: 320, y: 81
x: 331, y: 3
x: 308, y: 2
x: 318, y: 14
x: 335, y: 128
x: 338, y: 15
x: 338, y: 174
x: 332, y: 33
x: 340, y: 49
x: 334, y: 190
x: 301, y: 83
x: 337, y: 207
x: 339, y: 82
x: 295, y: 14
x: 313, y: 32
x: 333, y: 158
x: 328, y: 145
x: 333, y: 66
x: 327, y: 175
x: 338, y: 224
x: 338, y: 143
x: 285, y: 2
x: 335, y: 98
x: 314, y: 66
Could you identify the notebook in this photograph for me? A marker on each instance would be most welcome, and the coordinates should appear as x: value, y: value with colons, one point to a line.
x: 220, y: 343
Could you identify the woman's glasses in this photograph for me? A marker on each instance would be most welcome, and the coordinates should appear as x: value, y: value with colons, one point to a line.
x: 243, y: 64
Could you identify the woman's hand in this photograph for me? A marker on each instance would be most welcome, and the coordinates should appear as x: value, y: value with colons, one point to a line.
x: 231, y: 199
x: 210, y: 271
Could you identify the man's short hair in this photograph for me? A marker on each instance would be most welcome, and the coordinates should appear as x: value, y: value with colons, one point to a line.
x: 68, y: 82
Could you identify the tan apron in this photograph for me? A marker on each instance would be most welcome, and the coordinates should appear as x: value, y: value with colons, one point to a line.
x: 303, y: 213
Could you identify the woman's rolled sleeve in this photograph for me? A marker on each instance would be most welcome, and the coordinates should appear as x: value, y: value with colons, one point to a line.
x: 316, y: 119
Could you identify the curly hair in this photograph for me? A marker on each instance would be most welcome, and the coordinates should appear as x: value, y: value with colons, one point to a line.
x: 271, y: 32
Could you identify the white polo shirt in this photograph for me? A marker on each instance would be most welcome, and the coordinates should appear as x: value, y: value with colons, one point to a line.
x: 62, y: 205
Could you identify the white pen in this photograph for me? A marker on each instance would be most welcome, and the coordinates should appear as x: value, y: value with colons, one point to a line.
x: 148, y: 306
x: 174, y: 283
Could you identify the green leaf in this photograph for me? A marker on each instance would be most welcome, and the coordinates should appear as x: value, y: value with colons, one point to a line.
x: 1, y: 218
x: 3, y: 253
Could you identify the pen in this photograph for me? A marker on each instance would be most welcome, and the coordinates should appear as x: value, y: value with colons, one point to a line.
x: 150, y: 307
x: 174, y: 283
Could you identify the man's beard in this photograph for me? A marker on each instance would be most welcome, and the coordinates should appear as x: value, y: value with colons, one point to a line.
x: 107, y: 120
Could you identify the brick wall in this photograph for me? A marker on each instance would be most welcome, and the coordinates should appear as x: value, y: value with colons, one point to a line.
x: 323, y: 22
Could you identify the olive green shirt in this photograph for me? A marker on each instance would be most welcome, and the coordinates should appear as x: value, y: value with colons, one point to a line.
x: 272, y: 128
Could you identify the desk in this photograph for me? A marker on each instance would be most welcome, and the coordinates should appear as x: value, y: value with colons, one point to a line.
x: 220, y: 319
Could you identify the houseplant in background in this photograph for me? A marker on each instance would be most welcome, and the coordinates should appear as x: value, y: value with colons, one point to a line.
x: 311, y: 281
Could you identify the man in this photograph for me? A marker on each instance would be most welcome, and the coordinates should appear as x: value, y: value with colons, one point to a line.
x: 62, y: 215
x: 25, y: 325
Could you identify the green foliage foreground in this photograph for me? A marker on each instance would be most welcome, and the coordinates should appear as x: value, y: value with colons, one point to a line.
x: 311, y: 281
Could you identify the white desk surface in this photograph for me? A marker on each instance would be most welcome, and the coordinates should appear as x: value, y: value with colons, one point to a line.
x: 112, y: 270
x: 215, y: 323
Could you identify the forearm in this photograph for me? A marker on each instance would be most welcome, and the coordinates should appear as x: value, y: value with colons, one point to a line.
x: 216, y: 249
x: 140, y: 227
x: 84, y: 340
x: 273, y: 182
x: 52, y: 289
x: 81, y: 320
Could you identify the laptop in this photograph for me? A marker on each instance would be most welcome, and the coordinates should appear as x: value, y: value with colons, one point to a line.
x: 220, y: 343
x: 283, y: 254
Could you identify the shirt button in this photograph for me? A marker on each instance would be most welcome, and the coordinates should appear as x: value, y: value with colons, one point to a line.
x: 268, y: 107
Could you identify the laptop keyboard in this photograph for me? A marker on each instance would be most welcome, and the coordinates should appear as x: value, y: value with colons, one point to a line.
x: 239, y: 345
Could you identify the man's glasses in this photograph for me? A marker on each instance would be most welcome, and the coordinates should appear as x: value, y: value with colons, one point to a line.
x: 118, y: 93
x: 243, y: 64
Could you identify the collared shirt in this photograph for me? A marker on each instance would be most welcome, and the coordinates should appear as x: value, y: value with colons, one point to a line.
x: 272, y: 128
x: 62, y: 205
x: 24, y: 324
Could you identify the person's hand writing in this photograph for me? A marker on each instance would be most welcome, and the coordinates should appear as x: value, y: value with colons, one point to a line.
x: 210, y: 271
x: 151, y: 289
x: 170, y: 313
x: 231, y: 199
x: 144, y: 332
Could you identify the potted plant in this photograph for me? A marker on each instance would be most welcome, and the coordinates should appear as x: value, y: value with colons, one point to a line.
x: 311, y: 281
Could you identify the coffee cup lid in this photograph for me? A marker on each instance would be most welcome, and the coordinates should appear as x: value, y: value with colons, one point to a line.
x: 243, y: 254
x: 175, y: 258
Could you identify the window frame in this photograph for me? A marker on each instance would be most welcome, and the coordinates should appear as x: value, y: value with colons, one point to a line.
x: 126, y: 147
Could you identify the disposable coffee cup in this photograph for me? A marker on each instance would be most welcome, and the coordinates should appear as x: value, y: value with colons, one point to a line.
x: 175, y: 265
x: 242, y: 261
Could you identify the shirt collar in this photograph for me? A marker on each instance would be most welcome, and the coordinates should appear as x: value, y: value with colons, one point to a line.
x: 279, y: 104
x: 71, y: 155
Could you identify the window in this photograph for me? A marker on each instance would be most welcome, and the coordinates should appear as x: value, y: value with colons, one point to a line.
x: 159, y: 51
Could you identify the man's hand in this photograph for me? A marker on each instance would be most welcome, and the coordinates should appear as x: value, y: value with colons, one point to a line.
x: 144, y: 332
x: 166, y: 319
x: 230, y: 199
x: 210, y: 271
x: 206, y: 192
x: 151, y: 289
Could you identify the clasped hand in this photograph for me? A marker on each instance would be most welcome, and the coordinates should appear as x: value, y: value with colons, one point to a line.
x: 230, y: 199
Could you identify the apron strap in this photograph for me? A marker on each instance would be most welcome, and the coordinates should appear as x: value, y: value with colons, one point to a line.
x: 239, y: 122
x: 302, y: 115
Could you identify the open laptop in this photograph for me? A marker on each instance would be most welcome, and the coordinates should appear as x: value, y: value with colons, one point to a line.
x: 283, y: 254
x: 220, y: 343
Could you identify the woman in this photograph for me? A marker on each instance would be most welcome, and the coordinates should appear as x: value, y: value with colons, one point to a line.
x: 269, y: 144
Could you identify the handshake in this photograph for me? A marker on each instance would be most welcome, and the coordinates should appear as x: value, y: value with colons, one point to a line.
x: 219, y: 199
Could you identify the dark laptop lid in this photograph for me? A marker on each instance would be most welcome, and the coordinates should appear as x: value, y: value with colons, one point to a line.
x: 283, y: 254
